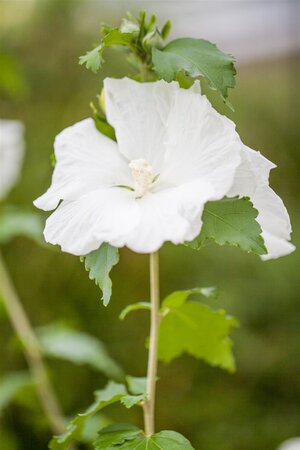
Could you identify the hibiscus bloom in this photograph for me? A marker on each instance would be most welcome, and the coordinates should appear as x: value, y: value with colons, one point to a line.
x: 173, y: 153
x: 12, y: 149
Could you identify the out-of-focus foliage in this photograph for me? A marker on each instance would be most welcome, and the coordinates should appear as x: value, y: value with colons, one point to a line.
x: 258, y: 406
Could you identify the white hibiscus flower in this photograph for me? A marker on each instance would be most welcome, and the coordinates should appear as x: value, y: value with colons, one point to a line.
x: 291, y: 444
x: 12, y: 149
x: 173, y: 153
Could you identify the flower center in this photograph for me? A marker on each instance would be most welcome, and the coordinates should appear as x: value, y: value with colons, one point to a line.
x: 142, y: 176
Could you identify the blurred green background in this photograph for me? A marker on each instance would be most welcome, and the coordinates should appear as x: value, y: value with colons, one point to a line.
x: 257, y: 407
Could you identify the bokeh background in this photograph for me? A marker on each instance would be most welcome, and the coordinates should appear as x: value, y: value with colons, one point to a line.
x: 257, y: 407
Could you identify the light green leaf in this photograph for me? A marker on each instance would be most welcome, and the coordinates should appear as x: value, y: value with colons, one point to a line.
x: 137, y: 385
x: 195, y: 328
x: 60, y: 341
x: 112, y: 393
x: 197, y: 57
x: 11, y: 385
x: 178, y: 298
x: 93, y: 59
x: 115, y: 435
x: 99, y: 264
x: 15, y: 222
x: 231, y: 221
x: 134, y: 307
x: 164, y: 440
x: 131, y: 400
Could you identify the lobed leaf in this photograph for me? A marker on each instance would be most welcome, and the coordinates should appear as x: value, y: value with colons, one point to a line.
x: 112, y: 393
x: 195, y: 328
x: 133, y: 439
x: 99, y: 264
x: 93, y: 59
x: 197, y: 57
x: 231, y: 221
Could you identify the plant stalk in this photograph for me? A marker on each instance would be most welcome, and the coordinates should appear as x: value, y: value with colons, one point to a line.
x: 149, y: 405
x: 33, y: 355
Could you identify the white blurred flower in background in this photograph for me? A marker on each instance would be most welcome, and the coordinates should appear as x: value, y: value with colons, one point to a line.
x: 12, y: 148
x: 291, y: 444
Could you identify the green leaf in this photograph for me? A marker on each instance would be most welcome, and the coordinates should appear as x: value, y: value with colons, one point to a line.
x: 195, y: 328
x: 116, y: 434
x: 197, y: 57
x: 164, y: 440
x: 16, y: 222
x: 99, y: 264
x: 131, y: 400
x: 11, y: 385
x: 231, y: 221
x: 105, y: 128
x: 138, y: 387
x: 112, y: 393
x: 60, y: 341
x: 134, y: 307
x: 93, y: 59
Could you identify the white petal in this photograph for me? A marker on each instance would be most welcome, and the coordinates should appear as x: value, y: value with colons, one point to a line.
x: 105, y: 215
x: 115, y: 216
x: 169, y: 215
x: 12, y: 148
x: 131, y: 109
x: 252, y: 180
x: 85, y: 160
x: 201, y: 143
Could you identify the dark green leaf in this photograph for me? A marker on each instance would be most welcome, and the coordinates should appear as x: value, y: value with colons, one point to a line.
x: 231, y: 221
x: 164, y: 440
x: 195, y: 328
x: 99, y: 264
x: 115, y: 435
x: 197, y: 57
x: 62, y: 342
x: 134, y: 307
x: 112, y: 393
x: 15, y: 222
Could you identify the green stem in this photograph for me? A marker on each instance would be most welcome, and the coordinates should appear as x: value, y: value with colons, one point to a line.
x: 149, y: 405
x: 24, y: 331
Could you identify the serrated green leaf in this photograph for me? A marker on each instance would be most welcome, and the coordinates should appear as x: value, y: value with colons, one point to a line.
x: 137, y: 385
x: 178, y: 298
x: 195, y: 328
x: 93, y: 59
x: 11, y: 385
x: 60, y: 341
x: 115, y: 435
x: 99, y: 264
x: 164, y: 440
x: 231, y: 221
x: 197, y: 57
x: 16, y: 222
x: 112, y: 393
x: 131, y: 400
x: 134, y: 307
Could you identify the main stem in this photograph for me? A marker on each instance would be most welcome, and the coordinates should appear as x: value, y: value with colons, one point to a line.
x: 149, y: 405
x: 32, y: 351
